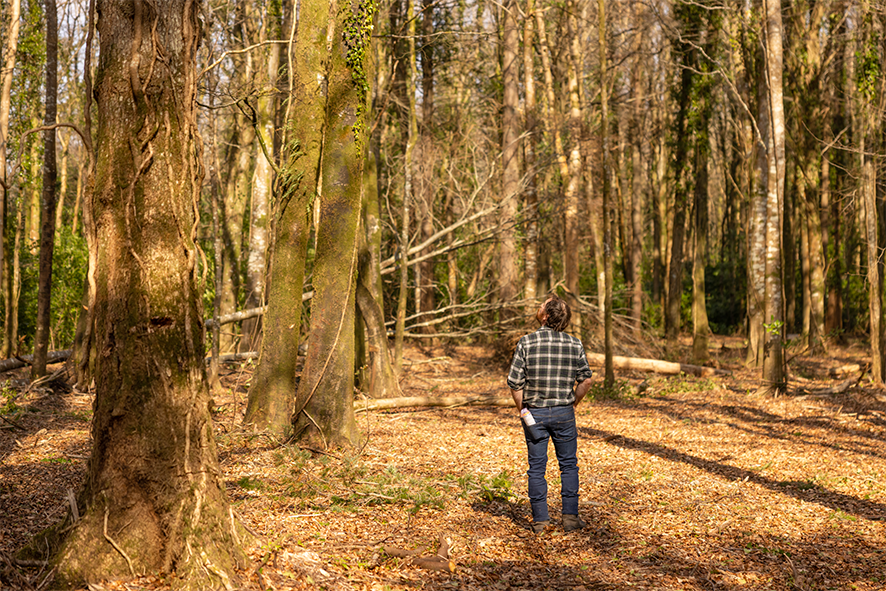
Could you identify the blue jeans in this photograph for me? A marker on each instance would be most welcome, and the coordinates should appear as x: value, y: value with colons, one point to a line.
x: 557, y: 423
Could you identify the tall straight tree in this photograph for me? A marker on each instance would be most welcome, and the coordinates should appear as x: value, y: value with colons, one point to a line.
x: 262, y: 182
x: 153, y: 477
x: 272, y: 393
x: 47, y: 208
x: 530, y: 193
x: 869, y: 82
x: 508, y: 277
x: 9, y: 53
x: 324, y: 407
x: 774, y: 374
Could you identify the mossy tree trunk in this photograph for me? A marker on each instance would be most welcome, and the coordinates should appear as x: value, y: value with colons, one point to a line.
x: 272, y: 394
x: 324, y: 411
x: 153, y: 484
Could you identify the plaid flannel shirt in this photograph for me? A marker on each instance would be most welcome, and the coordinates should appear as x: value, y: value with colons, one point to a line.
x: 546, y: 366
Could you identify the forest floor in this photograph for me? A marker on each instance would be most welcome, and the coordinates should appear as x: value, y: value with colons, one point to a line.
x: 695, y: 484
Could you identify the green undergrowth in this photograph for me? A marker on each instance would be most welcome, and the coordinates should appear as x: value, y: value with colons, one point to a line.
x: 320, y: 482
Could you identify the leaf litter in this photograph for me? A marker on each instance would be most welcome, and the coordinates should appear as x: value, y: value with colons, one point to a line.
x: 698, y: 483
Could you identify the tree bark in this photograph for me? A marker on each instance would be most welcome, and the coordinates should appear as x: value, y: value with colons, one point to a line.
x: 608, y: 367
x: 324, y: 409
x: 153, y: 478
x: 411, y: 124
x: 571, y: 219
x: 262, y: 190
x: 12, y: 30
x: 272, y: 393
x: 530, y: 192
x: 700, y: 327
x: 507, y: 276
x: 47, y: 210
x: 383, y: 378
x: 675, y: 265
x: 774, y: 373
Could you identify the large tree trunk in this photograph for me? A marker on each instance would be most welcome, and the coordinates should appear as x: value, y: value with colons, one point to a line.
x: 47, y: 210
x: 12, y: 30
x: 153, y: 481
x: 324, y: 409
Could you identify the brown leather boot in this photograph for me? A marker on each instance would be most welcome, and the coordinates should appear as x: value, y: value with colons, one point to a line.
x: 572, y: 523
x: 538, y: 527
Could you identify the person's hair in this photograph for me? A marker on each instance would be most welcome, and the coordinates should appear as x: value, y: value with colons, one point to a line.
x: 557, y: 313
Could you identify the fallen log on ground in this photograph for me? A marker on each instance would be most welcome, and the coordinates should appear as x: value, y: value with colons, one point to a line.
x: 655, y: 365
x: 427, y: 401
x: 23, y: 360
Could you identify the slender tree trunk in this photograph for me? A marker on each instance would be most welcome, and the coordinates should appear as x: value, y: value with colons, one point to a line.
x: 639, y: 153
x: 153, y: 478
x: 382, y: 379
x: 65, y: 141
x: 530, y: 192
x: 12, y: 30
x: 409, y: 177
x: 675, y: 265
x: 50, y: 174
x: 774, y: 374
x: 262, y: 193
x: 757, y: 232
x: 571, y: 219
x: 507, y: 276
x: 700, y: 327
x: 427, y: 300
x: 608, y: 371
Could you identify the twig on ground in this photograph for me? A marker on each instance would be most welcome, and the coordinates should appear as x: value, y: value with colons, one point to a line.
x: 114, y: 544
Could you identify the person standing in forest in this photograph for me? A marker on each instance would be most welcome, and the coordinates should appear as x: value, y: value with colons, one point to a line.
x: 546, y: 367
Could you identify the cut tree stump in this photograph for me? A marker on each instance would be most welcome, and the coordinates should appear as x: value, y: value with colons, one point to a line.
x: 655, y: 365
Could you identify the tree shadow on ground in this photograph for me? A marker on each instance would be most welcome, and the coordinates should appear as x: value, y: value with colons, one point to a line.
x: 766, y: 424
x: 833, y: 500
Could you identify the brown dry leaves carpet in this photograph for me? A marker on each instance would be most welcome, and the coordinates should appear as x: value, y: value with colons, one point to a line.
x: 695, y: 484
